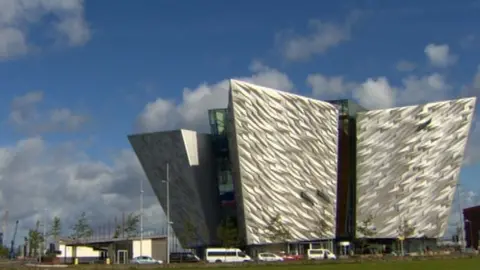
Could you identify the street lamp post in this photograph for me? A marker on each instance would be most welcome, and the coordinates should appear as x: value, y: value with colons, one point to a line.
x: 44, y: 236
x: 461, y: 236
x: 44, y: 230
x: 141, y: 217
x: 167, y: 184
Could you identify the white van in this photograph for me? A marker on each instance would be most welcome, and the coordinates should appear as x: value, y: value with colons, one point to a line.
x: 320, y: 254
x: 228, y: 255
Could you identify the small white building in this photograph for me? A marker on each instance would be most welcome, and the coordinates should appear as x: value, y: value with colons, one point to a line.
x: 119, y: 250
x: 83, y: 253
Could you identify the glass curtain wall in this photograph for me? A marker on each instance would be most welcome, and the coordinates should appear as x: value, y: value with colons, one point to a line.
x: 347, y: 163
x: 219, y: 128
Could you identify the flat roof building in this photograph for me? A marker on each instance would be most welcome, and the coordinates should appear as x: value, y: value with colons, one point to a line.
x: 287, y: 168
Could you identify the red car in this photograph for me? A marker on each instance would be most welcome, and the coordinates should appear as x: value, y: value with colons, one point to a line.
x: 292, y: 257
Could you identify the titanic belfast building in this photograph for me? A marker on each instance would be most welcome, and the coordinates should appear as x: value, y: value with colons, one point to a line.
x: 318, y: 169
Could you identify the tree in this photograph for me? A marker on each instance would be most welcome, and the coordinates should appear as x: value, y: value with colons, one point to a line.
x: 130, y: 228
x: 276, y: 231
x: 405, y: 230
x: 366, y: 230
x: 118, y: 231
x: 227, y: 233
x: 55, y: 229
x: 131, y: 225
x: 3, y: 252
x: 459, y: 233
x: 189, y: 234
x: 82, y: 229
x: 35, y: 239
x: 26, y: 247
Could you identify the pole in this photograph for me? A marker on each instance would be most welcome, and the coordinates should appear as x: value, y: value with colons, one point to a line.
x: 168, y: 213
x: 402, y: 248
x: 141, y: 217
x: 123, y: 225
x: 461, y: 237
x: 44, y: 230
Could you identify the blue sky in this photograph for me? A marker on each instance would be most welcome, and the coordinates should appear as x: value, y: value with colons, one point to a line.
x: 100, y: 63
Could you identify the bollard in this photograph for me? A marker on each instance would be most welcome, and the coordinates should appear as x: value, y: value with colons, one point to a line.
x: 107, y: 261
x: 75, y: 261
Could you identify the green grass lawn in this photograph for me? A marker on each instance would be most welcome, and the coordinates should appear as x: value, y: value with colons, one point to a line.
x: 447, y: 264
x: 432, y: 264
x: 444, y: 264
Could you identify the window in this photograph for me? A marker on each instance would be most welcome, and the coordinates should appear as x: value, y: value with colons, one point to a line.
x: 424, y: 125
x: 307, y: 198
x: 222, y: 253
x: 323, y: 196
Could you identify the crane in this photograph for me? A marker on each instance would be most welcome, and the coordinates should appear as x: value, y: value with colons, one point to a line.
x: 12, y: 246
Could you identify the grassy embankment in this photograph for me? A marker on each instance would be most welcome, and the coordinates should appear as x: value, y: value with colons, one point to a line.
x: 431, y: 264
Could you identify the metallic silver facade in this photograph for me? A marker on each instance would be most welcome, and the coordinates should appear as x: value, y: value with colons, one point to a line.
x: 284, y: 153
x: 193, y: 187
x: 408, y: 163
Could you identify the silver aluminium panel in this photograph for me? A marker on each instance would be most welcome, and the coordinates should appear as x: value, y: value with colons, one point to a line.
x: 285, y: 154
x: 408, y: 163
x: 193, y: 191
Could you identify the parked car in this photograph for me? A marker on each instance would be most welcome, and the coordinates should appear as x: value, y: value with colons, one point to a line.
x: 269, y: 257
x: 183, y: 257
x: 145, y: 260
x: 227, y: 255
x: 291, y: 257
x: 470, y: 251
x: 320, y: 254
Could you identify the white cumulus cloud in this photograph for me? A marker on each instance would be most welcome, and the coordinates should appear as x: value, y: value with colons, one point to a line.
x: 191, y: 112
x: 26, y: 117
x: 440, y: 55
x: 405, y: 66
x: 324, y: 87
x: 376, y: 93
x: 36, y: 175
x: 17, y: 17
x: 321, y: 37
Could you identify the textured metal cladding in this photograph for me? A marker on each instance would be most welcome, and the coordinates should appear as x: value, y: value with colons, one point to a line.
x: 287, y: 157
x: 154, y: 150
x: 408, y: 162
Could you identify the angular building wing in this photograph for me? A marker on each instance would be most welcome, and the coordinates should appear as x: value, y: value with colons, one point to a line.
x: 193, y: 193
x: 408, y: 163
x: 283, y: 149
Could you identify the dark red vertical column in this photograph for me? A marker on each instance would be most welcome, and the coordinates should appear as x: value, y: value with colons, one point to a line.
x: 343, y: 175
